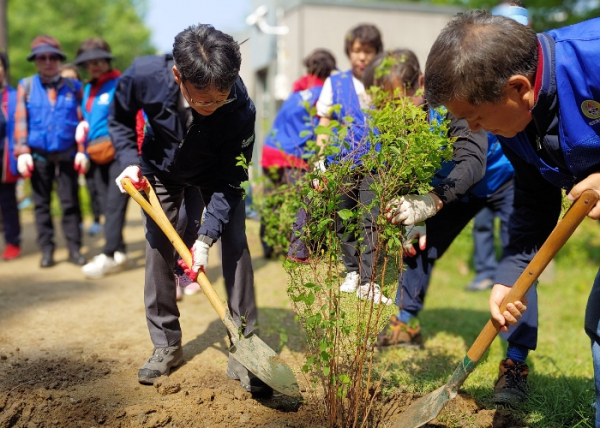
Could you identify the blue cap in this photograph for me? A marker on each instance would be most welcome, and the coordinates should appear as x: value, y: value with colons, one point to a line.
x: 517, y: 13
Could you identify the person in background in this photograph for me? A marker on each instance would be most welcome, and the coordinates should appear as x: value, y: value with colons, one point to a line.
x: 204, y: 69
x: 8, y: 166
x: 46, y: 118
x: 70, y: 71
x: 282, y: 157
x: 485, y: 260
x: 94, y: 55
x: 346, y: 89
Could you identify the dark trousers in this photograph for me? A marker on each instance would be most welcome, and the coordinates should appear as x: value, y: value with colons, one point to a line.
x: 10, y: 212
x: 162, y: 313
x: 113, y: 204
x: 484, y: 250
x: 441, y: 231
x: 90, y: 182
x: 44, y: 174
x: 359, y: 256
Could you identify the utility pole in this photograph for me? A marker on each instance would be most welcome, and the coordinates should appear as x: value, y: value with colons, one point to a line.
x: 3, y: 26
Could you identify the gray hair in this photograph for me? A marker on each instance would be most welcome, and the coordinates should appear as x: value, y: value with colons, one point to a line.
x: 475, y: 55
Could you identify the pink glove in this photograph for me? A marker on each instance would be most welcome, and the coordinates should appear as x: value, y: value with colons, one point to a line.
x: 81, y: 132
x: 134, y: 173
x: 25, y: 165
x: 81, y: 163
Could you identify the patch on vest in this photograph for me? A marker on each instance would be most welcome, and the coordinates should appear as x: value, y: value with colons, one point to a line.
x: 591, y: 109
x: 246, y: 142
x: 104, y: 99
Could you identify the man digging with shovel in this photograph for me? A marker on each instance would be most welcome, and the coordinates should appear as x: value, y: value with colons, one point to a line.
x: 204, y: 73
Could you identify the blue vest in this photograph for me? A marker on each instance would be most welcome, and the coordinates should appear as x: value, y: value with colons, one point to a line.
x: 497, y: 172
x: 9, y: 97
x: 354, y: 145
x: 52, y: 128
x: 292, y: 120
x: 577, y: 55
x: 98, y: 116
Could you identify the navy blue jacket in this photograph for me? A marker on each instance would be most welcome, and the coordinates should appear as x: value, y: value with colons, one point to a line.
x: 205, y: 155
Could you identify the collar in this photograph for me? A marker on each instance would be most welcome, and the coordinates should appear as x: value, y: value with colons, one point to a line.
x: 50, y: 81
x: 544, y: 91
x: 109, y: 75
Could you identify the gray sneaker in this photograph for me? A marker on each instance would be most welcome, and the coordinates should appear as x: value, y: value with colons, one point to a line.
x: 252, y: 384
x: 160, y: 363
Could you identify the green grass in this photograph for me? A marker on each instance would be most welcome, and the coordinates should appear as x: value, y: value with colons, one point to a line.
x: 561, y: 376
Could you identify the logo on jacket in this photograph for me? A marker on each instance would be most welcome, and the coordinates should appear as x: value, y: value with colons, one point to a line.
x: 104, y: 98
x: 591, y: 109
x: 247, y: 142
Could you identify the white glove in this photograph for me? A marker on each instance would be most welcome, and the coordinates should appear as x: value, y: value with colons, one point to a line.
x: 319, y: 166
x: 134, y: 173
x: 81, y: 132
x: 25, y: 165
x: 413, y: 232
x: 81, y: 163
x: 199, y: 258
x: 411, y: 209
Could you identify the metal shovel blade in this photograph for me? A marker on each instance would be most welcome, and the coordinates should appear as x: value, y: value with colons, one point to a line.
x: 251, y: 351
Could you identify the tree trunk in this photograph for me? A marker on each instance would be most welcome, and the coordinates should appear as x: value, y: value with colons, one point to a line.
x: 3, y: 26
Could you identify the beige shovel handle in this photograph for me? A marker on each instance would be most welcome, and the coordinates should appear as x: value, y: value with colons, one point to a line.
x: 155, y: 211
x: 561, y: 233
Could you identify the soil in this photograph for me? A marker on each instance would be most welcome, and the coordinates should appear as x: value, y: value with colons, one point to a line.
x: 70, y: 349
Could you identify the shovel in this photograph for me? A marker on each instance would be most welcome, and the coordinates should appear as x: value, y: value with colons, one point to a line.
x: 429, y: 406
x: 251, y: 351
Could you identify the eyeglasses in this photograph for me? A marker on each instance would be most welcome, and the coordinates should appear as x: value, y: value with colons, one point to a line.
x: 93, y: 62
x: 209, y: 103
x: 45, y: 58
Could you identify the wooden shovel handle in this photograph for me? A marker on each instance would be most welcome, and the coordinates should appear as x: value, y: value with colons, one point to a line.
x: 561, y: 233
x: 155, y: 211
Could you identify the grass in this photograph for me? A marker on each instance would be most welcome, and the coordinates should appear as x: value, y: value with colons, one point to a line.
x: 561, y: 376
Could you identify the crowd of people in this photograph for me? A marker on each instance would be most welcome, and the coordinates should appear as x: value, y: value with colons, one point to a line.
x: 183, y: 120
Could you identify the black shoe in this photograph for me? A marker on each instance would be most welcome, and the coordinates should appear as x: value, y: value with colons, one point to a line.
x: 47, y: 260
x: 248, y: 380
x: 76, y: 258
x: 511, y: 388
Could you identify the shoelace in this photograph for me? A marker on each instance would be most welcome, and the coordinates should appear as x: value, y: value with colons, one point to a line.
x: 514, y: 380
x: 156, y: 355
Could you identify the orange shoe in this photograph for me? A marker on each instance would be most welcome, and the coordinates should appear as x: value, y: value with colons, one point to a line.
x: 11, y: 252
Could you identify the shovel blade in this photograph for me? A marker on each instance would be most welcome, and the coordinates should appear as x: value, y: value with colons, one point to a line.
x: 424, y: 409
x: 260, y: 359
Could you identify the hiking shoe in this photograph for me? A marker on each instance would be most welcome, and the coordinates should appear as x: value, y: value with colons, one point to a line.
x: 102, y: 265
x: 480, y: 284
x: 252, y: 384
x: 511, y: 388
x: 350, y: 284
x: 160, y: 363
x: 11, y: 252
x: 400, y: 335
x: 372, y: 291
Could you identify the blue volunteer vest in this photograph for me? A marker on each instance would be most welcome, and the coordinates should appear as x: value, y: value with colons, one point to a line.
x: 9, y: 99
x: 52, y: 128
x: 497, y: 172
x: 578, y: 87
x: 292, y: 120
x: 98, y: 116
x: 354, y: 145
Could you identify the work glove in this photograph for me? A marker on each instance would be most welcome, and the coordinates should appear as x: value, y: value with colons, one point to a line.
x: 81, y: 163
x: 134, y: 173
x: 81, y: 132
x: 319, y: 167
x: 25, y: 165
x: 199, y: 260
x: 413, y: 232
x: 410, y: 209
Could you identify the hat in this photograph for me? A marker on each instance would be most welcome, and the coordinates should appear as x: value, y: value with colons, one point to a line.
x: 92, y: 54
x: 517, y: 13
x: 40, y: 49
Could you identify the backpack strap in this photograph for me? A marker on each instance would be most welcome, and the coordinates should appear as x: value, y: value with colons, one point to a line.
x: 27, y: 83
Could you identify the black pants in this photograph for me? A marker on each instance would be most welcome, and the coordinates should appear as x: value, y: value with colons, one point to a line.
x: 95, y: 205
x: 46, y: 172
x: 113, y: 204
x: 10, y: 211
x: 162, y: 313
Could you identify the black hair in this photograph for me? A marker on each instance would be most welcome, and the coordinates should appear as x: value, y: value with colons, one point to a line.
x: 404, y: 70
x: 4, y: 61
x: 320, y: 63
x: 207, y: 57
x: 365, y: 33
x: 475, y: 55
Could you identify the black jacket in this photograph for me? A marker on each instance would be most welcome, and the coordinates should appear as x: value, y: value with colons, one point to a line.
x: 205, y: 155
